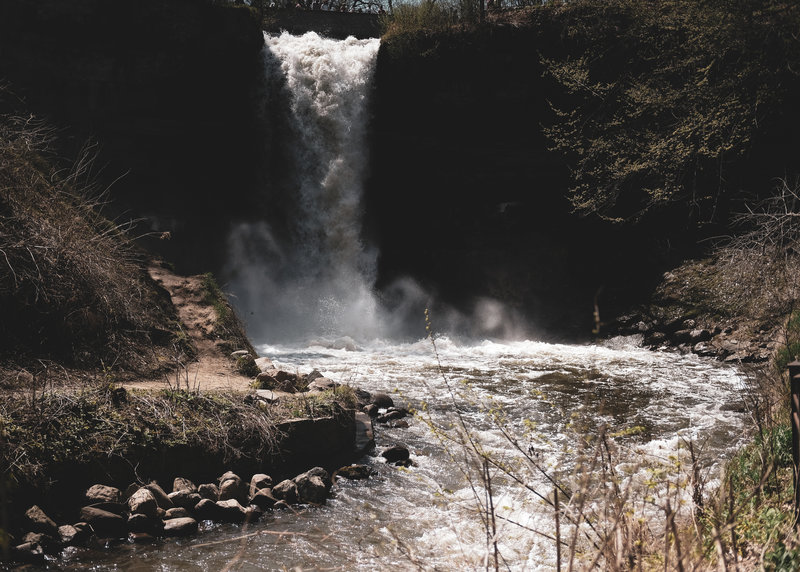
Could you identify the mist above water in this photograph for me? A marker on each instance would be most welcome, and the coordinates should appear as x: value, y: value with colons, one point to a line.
x: 303, y: 271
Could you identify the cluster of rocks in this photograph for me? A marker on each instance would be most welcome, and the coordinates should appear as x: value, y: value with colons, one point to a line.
x: 723, y: 342
x: 381, y: 409
x: 269, y: 377
x: 144, y: 512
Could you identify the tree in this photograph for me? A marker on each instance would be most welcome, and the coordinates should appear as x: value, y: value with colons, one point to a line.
x: 660, y: 100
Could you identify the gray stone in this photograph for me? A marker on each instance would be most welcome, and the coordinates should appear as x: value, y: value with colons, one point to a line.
x: 365, y: 434
x: 103, y: 493
x: 322, y: 384
x: 396, y: 454
x: 38, y: 521
x: 704, y: 350
x: 177, y: 512
x: 49, y: 544
x: 315, y: 472
x: 143, y: 502
x: 259, y: 481
x: 231, y: 486
x: 278, y: 380
x: 231, y: 511
x: 263, y: 499
x: 141, y: 537
x: 391, y: 415
x: 160, y: 495
x: 142, y: 523
x: 697, y: 336
x: 184, y: 526
x: 28, y: 552
x: 105, y: 524
x: 183, y: 485
x: 207, y: 510
x: 115, y: 507
x: 264, y: 364
x: 285, y: 491
x: 354, y: 472
x: 71, y: 535
x: 209, y: 491
x: 382, y: 400
x: 311, y: 489
x: 185, y: 499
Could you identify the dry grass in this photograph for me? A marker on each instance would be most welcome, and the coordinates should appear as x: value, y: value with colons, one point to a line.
x: 72, y: 288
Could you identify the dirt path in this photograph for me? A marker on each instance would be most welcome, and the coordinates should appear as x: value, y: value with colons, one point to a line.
x: 213, y: 369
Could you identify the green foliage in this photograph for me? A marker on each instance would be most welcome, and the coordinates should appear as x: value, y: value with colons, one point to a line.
x: 323, y: 403
x: 782, y: 559
x: 755, y: 499
x: 246, y: 366
x: 430, y: 16
x: 790, y: 351
x: 661, y: 99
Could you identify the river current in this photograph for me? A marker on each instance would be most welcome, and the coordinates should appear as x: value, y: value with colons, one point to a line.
x: 427, y: 516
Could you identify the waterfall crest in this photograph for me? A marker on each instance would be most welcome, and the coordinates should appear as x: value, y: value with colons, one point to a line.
x: 304, y: 269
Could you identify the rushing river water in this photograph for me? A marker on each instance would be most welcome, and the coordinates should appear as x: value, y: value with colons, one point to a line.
x: 426, y: 516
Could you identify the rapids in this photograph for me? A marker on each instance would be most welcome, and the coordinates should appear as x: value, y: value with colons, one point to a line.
x: 427, y: 515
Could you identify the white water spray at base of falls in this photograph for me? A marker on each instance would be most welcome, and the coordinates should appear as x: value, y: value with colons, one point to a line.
x: 316, y: 277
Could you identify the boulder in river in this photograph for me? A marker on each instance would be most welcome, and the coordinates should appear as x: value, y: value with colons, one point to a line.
x: 286, y: 491
x: 181, y: 484
x: 354, y: 472
x: 103, y: 493
x: 259, y: 481
x: 397, y: 454
x: 143, y: 502
x: 38, y: 521
x: 263, y: 499
x: 104, y: 523
x: 209, y: 491
x: 185, y: 499
x: 382, y: 400
x: 160, y: 495
x: 312, y: 486
x: 231, y: 511
x: 72, y: 535
x: 231, y: 486
x: 184, y: 526
x: 177, y: 512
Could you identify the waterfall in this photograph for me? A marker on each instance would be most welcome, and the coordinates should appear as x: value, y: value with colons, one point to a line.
x: 304, y: 270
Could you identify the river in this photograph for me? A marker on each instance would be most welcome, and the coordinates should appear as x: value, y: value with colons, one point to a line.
x: 426, y: 516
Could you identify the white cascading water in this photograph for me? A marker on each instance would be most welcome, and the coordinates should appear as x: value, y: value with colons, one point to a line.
x: 318, y: 279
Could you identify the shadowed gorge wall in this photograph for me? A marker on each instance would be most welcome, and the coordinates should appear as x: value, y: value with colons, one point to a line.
x: 469, y: 196
x: 168, y: 90
x: 464, y: 193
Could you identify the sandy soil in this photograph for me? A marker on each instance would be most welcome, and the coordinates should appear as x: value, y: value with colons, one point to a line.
x: 214, y: 369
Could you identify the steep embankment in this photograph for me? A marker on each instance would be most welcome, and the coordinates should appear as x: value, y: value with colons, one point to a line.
x: 502, y: 153
x: 466, y: 194
x: 167, y: 90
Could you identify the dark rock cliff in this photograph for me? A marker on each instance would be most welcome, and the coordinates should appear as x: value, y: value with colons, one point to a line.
x: 466, y: 197
x: 167, y: 90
